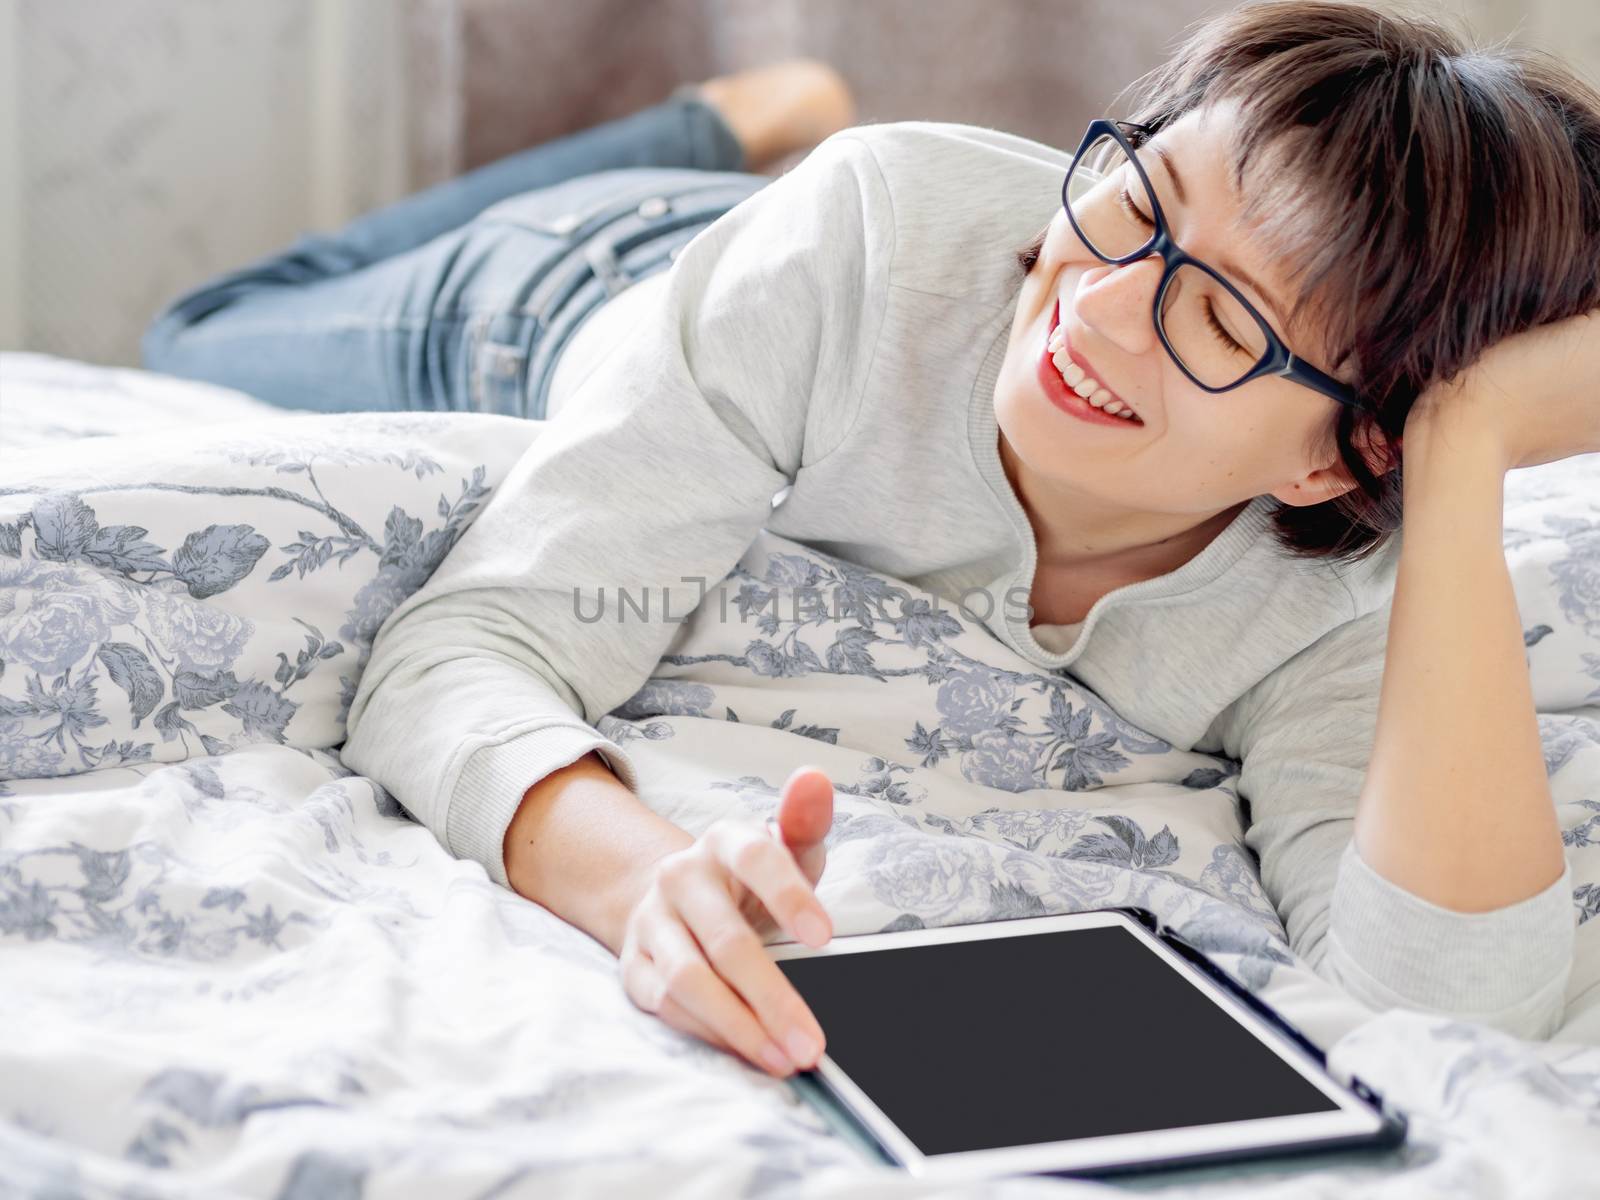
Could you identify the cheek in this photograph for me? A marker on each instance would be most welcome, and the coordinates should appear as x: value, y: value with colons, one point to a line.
x: 1063, y: 244
x: 1251, y: 440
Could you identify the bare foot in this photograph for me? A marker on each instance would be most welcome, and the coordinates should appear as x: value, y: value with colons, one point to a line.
x: 782, y: 107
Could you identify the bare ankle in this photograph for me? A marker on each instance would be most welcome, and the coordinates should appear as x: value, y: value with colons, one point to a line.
x: 782, y: 107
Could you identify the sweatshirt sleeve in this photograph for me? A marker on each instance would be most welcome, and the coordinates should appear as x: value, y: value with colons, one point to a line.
x: 658, y: 472
x: 1304, y: 736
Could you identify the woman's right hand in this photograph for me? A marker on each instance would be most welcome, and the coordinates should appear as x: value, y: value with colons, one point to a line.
x: 692, y: 952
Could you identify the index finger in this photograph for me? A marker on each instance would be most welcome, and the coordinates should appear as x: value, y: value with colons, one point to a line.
x: 767, y: 866
x: 741, y: 961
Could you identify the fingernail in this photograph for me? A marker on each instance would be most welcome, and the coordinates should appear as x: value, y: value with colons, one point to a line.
x: 775, y: 1059
x: 811, y: 928
x: 801, y: 1048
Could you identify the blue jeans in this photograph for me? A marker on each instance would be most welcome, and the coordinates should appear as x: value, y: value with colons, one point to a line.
x: 461, y: 297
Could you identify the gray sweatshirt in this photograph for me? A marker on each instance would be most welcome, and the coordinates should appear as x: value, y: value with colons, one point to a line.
x: 834, y: 340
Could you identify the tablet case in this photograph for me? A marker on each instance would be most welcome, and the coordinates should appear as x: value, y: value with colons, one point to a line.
x: 1391, y: 1133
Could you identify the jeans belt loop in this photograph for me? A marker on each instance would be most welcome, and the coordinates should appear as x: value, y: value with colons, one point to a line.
x: 606, y: 267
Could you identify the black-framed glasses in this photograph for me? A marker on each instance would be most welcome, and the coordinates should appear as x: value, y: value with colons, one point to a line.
x: 1212, y: 332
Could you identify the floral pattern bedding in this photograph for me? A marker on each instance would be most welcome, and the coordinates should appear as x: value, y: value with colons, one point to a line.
x: 236, y: 968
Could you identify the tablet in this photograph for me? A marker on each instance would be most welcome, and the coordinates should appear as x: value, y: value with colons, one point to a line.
x: 1091, y: 1043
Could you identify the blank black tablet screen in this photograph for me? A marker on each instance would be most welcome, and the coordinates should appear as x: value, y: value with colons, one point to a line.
x: 1047, y: 1037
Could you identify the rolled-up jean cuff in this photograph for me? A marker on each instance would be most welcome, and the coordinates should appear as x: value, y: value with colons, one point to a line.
x: 716, y: 148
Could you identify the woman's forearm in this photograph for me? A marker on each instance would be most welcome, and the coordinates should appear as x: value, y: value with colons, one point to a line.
x: 582, y: 845
x: 1456, y: 806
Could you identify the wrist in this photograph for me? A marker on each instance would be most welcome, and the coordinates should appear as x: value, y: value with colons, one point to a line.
x: 1452, y: 456
x: 602, y: 906
x: 626, y: 893
x: 1451, y: 439
x: 582, y: 845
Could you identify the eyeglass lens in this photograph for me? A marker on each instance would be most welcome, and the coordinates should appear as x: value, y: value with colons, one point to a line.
x: 1211, y: 333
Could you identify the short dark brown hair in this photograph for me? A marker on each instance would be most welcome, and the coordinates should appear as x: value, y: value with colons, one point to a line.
x: 1429, y: 197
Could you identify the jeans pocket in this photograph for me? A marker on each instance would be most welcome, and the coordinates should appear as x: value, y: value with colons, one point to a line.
x: 556, y: 220
x: 576, y: 208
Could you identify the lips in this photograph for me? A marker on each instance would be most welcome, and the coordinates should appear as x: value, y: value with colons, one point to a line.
x: 1065, y: 398
x: 1083, y: 363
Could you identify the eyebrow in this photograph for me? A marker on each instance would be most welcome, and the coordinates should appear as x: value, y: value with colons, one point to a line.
x: 1233, y: 269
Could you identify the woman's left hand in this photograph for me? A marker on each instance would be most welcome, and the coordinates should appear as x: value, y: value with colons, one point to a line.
x: 1535, y: 396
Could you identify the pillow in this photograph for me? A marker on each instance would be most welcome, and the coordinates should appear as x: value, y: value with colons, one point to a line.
x: 165, y: 595
x: 1552, y: 542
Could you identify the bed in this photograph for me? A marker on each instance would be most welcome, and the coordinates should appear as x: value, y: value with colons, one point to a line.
x: 233, y: 967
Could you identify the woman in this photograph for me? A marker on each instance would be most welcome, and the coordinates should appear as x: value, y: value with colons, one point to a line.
x: 1393, y: 243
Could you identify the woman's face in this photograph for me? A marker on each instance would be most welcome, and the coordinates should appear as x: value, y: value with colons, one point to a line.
x: 1195, y: 452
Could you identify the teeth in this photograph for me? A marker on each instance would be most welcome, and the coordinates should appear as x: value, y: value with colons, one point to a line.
x: 1079, y: 380
x: 1070, y: 371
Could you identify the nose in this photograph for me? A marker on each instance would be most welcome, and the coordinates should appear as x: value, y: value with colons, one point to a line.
x: 1118, y: 302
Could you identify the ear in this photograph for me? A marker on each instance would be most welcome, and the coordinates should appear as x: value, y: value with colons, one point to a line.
x: 1327, y: 482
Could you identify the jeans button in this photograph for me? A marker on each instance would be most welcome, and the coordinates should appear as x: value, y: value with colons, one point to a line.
x: 655, y: 206
x: 504, y: 360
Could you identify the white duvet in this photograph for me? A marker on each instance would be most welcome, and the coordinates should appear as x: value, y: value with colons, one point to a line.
x: 233, y: 968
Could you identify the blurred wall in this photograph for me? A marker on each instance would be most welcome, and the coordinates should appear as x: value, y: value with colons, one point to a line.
x: 1040, y: 68
x: 155, y: 142
x: 146, y: 145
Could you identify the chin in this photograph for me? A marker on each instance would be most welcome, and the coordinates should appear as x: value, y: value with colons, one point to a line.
x: 1030, y: 423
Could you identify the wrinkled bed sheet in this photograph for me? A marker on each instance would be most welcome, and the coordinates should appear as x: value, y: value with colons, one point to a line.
x: 45, y: 400
x: 251, y: 973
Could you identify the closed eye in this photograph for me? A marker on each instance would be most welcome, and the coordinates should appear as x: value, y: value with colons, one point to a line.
x: 1221, y: 333
x: 1126, y: 200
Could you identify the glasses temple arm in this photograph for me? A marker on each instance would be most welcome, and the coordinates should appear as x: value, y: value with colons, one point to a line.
x: 1304, y: 372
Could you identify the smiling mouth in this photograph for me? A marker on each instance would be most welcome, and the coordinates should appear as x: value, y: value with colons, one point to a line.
x: 1054, y: 379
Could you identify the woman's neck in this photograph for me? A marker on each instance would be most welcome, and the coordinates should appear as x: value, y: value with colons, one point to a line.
x: 1099, y: 544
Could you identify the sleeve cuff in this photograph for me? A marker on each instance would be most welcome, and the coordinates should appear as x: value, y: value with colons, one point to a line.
x: 491, y: 785
x: 1507, y: 967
